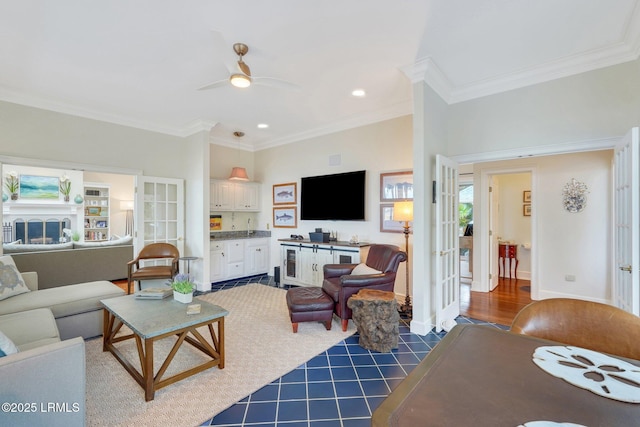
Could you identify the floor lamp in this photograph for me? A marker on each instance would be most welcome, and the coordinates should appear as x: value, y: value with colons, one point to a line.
x: 403, y: 212
x: 127, y: 206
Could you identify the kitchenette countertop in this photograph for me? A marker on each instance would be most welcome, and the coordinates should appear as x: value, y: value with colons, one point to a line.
x: 237, y: 235
x: 332, y: 243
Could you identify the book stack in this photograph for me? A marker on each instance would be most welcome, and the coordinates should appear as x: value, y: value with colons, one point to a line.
x: 154, y: 293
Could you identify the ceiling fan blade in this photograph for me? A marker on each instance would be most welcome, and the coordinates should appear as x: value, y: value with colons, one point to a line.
x: 276, y: 83
x: 214, y: 85
x: 244, y: 67
x: 221, y: 51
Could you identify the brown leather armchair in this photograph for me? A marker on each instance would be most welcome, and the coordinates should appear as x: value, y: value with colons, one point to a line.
x: 150, y: 252
x: 340, y: 284
x: 586, y: 324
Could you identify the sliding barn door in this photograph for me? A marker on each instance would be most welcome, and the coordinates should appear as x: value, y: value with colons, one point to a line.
x: 447, y: 241
x: 626, y: 293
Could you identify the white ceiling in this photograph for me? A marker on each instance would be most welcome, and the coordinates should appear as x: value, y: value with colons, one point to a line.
x: 140, y: 62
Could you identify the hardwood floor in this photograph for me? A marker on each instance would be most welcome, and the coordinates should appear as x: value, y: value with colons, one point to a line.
x: 499, y: 306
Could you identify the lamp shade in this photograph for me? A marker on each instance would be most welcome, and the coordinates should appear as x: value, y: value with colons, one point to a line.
x: 126, y: 205
x: 240, y: 80
x: 239, y: 174
x: 403, y: 211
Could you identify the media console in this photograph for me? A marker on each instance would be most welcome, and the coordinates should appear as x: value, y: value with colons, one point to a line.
x: 302, y: 260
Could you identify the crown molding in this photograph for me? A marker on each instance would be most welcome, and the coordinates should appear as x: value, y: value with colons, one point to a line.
x: 397, y: 110
x: 74, y: 110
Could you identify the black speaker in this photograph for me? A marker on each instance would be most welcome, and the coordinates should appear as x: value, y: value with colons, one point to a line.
x: 276, y: 275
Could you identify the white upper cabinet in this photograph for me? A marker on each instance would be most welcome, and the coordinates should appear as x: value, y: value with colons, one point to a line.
x: 235, y: 196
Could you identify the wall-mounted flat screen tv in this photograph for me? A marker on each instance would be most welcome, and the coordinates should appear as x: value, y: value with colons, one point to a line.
x: 333, y: 197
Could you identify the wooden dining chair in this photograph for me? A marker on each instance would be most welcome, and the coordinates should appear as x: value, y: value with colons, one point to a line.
x: 586, y: 324
x: 137, y: 271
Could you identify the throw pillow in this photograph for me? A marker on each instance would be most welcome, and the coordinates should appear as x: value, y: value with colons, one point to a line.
x: 6, y: 345
x: 362, y: 269
x: 11, y: 282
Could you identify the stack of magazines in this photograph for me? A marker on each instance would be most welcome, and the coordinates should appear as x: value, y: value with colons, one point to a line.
x: 154, y: 293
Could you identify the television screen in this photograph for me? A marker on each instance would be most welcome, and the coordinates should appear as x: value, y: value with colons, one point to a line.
x: 333, y: 197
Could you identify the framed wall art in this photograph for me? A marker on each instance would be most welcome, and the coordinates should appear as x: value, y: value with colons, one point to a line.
x: 285, y: 194
x: 526, y: 210
x: 526, y: 196
x: 395, y: 186
x: 285, y: 217
x: 39, y: 187
x: 387, y: 224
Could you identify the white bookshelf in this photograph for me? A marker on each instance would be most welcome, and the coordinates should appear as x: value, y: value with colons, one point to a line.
x: 97, y: 221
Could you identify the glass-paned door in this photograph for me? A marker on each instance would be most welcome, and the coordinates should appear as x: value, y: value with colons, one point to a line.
x: 159, y: 211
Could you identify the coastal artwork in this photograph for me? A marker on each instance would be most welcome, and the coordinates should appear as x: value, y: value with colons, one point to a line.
x: 285, y: 194
x: 38, y: 187
x: 285, y: 217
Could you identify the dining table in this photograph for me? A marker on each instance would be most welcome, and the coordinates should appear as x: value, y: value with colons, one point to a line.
x: 479, y: 375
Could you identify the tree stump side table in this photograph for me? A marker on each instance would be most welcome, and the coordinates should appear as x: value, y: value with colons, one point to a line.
x: 375, y: 314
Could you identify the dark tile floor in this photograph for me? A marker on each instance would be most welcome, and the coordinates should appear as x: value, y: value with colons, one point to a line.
x: 339, y: 387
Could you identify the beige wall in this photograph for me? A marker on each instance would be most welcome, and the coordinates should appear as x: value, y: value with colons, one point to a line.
x: 63, y: 141
x: 377, y: 148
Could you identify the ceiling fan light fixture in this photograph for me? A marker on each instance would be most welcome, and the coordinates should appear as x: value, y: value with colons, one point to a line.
x: 240, y: 80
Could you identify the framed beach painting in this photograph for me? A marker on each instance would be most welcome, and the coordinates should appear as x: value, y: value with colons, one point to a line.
x: 285, y: 194
x: 39, y: 187
x: 285, y: 217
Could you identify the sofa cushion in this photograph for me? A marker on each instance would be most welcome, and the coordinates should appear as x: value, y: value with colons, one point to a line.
x: 362, y: 269
x: 9, y: 248
x: 30, y: 329
x: 64, y: 300
x: 126, y: 240
x: 11, y: 282
x: 6, y: 345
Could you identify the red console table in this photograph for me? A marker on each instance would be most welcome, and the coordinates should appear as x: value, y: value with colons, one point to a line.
x: 508, y: 252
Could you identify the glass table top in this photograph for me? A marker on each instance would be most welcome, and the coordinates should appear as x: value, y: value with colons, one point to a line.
x: 149, y: 318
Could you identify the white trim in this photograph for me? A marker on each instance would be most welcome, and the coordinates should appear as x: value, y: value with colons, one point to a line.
x: 57, y: 164
x: 543, y: 150
x: 421, y: 328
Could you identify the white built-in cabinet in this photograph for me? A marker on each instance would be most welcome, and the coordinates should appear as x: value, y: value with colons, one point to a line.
x: 97, y: 221
x: 234, y: 196
x: 231, y: 259
x: 302, y: 263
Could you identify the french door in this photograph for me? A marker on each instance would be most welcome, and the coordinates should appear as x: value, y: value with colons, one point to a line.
x: 447, y: 244
x: 159, y: 207
x: 626, y: 293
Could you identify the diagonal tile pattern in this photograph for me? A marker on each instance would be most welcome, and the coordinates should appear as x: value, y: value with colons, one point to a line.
x: 339, y: 387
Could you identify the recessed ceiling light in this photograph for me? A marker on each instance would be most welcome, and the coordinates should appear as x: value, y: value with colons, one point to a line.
x: 263, y: 126
x: 359, y: 93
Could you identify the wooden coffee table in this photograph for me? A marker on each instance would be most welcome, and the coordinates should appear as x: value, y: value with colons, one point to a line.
x: 153, y: 320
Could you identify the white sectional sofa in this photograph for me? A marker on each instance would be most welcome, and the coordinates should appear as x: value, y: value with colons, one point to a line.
x: 76, y: 308
x: 43, y: 384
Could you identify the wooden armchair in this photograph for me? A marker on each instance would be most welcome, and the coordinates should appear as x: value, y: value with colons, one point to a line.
x: 340, y: 284
x: 586, y: 324
x: 153, y: 251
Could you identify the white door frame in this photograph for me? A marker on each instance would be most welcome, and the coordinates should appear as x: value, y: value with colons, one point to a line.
x: 481, y: 282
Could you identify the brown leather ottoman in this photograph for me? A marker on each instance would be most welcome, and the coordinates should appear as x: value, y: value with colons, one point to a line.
x: 309, y: 304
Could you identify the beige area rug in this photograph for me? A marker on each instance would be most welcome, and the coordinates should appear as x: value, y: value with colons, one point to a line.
x: 260, y: 347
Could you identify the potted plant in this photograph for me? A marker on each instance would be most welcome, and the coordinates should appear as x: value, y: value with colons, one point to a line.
x: 182, y: 288
x: 11, y: 183
x: 65, y: 186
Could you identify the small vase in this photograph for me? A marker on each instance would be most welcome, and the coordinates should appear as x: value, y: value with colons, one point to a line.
x: 66, y: 197
x: 14, y: 196
x: 5, y: 197
x: 78, y: 199
x: 183, y: 298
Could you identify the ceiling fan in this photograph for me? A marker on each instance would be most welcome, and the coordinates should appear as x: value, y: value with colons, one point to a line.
x: 242, y: 76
